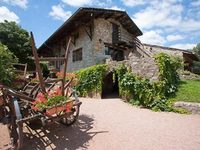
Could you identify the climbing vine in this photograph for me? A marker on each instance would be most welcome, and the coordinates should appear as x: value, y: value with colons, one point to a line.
x: 133, y: 88
x: 90, y: 79
x: 153, y: 95
x: 168, y: 66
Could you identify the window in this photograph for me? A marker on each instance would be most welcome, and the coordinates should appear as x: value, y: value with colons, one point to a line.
x: 117, y: 55
x: 107, y: 52
x: 77, y: 55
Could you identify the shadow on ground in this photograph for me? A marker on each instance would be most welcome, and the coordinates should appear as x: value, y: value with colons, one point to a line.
x: 59, y: 137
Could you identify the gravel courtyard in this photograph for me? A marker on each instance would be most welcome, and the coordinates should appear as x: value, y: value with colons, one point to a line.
x: 114, y: 125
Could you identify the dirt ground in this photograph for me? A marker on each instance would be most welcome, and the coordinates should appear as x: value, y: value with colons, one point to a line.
x: 114, y: 125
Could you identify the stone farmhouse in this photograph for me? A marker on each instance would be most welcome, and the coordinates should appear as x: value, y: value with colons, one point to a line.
x: 104, y: 35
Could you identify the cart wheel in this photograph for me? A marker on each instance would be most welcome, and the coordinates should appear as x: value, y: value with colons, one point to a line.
x: 16, y: 135
x: 72, y: 118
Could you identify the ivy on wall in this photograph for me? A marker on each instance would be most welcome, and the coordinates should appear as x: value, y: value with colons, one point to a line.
x: 153, y: 95
x: 133, y: 88
x: 90, y: 79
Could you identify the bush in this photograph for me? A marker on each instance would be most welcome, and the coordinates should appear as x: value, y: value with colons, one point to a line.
x: 133, y: 88
x: 6, y: 67
x: 196, y: 67
x: 90, y: 79
x: 153, y: 95
x: 45, y: 70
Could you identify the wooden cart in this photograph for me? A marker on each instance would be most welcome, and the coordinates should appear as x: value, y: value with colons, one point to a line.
x: 16, y: 107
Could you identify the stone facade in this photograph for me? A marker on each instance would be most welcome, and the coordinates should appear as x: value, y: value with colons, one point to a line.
x: 144, y: 67
x: 155, y: 49
x: 93, y: 50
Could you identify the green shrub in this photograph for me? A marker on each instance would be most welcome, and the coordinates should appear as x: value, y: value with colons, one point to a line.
x: 168, y: 74
x: 6, y: 67
x: 90, y: 79
x: 196, y: 67
x: 45, y: 70
x: 153, y: 95
x: 133, y: 88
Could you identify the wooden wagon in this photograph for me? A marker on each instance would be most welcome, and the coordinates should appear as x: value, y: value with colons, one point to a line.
x: 19, y: 107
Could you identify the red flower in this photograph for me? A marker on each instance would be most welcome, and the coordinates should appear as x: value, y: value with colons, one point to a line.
x: 41, y: 98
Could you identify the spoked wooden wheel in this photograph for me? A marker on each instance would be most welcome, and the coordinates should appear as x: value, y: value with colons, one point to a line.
x: 72, y: 118
x: 16, y: 135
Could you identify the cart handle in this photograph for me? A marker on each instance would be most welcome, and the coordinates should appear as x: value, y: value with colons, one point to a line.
x: 17, y: 94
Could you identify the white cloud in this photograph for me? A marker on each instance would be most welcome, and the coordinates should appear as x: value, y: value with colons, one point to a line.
x: 59, y: 13
x: 189, y: 25
x: 174, y: 37
x: 115, y: 8
x: 162, y: 15
x: 77, y: 3
x: 20, y: 3
x: 132, y: 3
x: 167, y: 15
x: 6, y: 14
x: 196, y: 3
x: 183, y: 46
x: 152, y: 37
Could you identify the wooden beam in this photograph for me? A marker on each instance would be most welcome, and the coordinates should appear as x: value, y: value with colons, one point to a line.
x: 109, y: 16
x: 98, y: 15
x: 37, y: 64
x: 88, y: 30
x: 65, y: 66
x: 51, y: 58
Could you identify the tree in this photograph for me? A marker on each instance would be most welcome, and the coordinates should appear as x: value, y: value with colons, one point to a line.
x: 17, y: 40
x: 196, y: 49
x: 6, y: 66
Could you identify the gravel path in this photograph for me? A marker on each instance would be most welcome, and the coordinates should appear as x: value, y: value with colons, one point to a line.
x: 114, y: 125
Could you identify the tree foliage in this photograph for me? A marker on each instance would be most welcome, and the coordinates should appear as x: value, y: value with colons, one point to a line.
x: 196, y: 49
x: 16, y: 39
x: 6, y: 67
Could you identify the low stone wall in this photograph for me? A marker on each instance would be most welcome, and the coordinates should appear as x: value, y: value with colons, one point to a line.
x: 192, y: 107
x: 145, y: 67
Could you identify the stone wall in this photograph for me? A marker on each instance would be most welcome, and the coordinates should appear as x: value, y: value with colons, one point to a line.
x: 84, y: 42
x: 103, y: 34
x: 154, y: 49
x: 144, y: 67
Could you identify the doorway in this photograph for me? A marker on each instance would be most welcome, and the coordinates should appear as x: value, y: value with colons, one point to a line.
x: 110, y: 88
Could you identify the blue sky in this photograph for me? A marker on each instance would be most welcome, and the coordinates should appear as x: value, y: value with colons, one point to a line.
x: 173, y: 23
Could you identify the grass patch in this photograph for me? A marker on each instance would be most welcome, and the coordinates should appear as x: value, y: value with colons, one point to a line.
x: 189, y: 91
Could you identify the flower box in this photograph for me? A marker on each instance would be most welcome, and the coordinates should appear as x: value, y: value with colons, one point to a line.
x: 66, y: 107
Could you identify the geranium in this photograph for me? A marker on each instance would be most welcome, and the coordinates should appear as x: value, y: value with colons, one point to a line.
x: 56, y: 92
x: 49, y: 99
x: 68, y: 75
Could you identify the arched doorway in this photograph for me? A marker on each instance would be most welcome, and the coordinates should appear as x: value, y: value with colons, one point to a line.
x: 110, y: 88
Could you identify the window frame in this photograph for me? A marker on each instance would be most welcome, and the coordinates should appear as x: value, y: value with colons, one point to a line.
x: 77, y: 55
